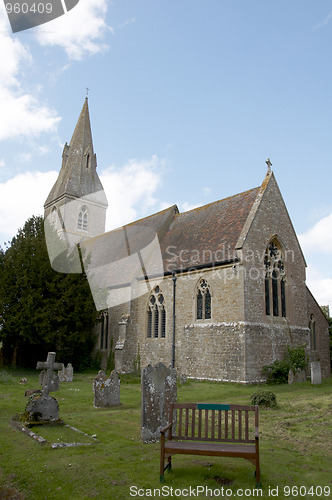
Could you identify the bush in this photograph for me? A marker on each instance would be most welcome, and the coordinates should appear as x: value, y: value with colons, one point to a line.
x: 295, y: 359
x: 264, y: 398
x: 277, y: 372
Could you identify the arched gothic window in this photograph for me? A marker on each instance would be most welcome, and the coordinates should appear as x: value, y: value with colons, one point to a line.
x: 312, y: 327
x: 203, y: 300
x: 274, y: 282
x: 82, y: 221
x: 156, y: 315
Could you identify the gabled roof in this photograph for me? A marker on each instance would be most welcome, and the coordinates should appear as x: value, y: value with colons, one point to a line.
x: 200, y: 237
x: 208, y: 234
x: 78, y: 176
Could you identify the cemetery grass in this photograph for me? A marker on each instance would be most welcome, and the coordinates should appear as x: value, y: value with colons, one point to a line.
x: 295, y: 443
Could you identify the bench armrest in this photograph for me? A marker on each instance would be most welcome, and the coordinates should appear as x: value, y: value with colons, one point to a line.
x: 164, y: 429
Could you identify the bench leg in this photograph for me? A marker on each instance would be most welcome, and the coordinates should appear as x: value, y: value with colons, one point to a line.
x: 258, y: 476
x: 162, y: 457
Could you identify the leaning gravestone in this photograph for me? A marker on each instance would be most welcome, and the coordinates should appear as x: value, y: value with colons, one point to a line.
x: 106, y: 390
x: 66, y: 374
x: 159, y: 389
x: 45, y: 408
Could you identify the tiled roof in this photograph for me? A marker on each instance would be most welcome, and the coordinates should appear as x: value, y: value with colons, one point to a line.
x: 199, y: 237
x: 208, y: 234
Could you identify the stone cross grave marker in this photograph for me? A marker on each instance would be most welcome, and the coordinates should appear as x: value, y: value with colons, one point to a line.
x: 49, y: 365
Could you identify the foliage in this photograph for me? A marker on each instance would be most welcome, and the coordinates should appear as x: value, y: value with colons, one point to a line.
x: 5, y: 377
x: 276, y: 372
x: 264, y: 398
x: 295, y: 359
x: 42, y: 310
x: 330, y: 331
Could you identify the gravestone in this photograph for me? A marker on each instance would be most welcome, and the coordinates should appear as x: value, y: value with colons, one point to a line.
x: 66, y: 374
x: 45, y: 408
x: 297, y: 376
x: 159, y: 389
x: 106, y: 390
x: 54, y: 381
x: 316, y: 374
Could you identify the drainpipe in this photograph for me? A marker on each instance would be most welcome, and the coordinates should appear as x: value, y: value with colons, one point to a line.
x: 174, y: 278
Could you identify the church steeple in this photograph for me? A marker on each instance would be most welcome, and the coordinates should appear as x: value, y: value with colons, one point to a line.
x: 77, y: 199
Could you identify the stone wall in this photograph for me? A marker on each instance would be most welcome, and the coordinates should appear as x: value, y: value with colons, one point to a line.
x: 239, y: 338
x: 322, y: 334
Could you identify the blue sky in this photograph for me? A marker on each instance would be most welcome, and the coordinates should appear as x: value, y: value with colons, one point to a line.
x: 187, y: 100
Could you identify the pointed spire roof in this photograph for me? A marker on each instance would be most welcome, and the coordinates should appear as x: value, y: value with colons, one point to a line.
x: 78, y: 176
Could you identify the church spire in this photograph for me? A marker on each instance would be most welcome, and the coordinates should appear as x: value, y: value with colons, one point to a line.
x: 78, y: 176
x: 78, y: 197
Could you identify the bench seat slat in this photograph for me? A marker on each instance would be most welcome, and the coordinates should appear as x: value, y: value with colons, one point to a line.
x: 208, y: 439
x: 212, y: 449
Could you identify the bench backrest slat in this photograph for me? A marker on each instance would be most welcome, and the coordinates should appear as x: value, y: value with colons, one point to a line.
x: 214, y: 422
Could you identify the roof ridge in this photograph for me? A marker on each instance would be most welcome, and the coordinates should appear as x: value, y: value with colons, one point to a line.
x: 218, y: 201
x: 151, y: 215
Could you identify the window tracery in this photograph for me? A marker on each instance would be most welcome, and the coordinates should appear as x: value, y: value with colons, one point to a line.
x: 156, y: 326
x: 203, y: 300
x: 275, y: 280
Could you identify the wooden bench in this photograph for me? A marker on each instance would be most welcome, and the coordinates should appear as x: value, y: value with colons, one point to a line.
x: 220, y: 430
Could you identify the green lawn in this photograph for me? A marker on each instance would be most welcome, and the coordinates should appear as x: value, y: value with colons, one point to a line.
x: 295, y: 445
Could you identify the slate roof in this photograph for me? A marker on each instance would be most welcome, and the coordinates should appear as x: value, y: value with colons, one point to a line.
x: 208, y: 234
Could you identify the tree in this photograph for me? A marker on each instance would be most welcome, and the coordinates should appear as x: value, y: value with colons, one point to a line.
x: 42, y: 310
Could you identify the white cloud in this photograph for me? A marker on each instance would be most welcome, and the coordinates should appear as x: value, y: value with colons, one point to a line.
x: 79, y: 32
x: 320, y: 286
x: 21, y: 197
x: 21, y: 113
x: 319, y: 237
x: 2, y: 163
x: 207, y: 191
x: 325, y: 22
x: 185, y: 206
x: 130, y: 190
x: 316, y: 244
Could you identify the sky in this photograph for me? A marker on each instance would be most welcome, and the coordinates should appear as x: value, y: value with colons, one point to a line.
x: 187, y: 101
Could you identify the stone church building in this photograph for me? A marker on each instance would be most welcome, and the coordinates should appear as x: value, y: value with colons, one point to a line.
x: 217, y: 292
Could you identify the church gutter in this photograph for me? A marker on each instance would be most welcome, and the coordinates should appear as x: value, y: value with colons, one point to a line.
x: 177, y: 271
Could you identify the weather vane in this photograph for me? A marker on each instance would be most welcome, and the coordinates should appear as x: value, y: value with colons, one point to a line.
x: 87, y: 92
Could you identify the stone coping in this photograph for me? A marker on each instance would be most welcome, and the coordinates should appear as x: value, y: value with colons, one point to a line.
x: 24, y: 428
